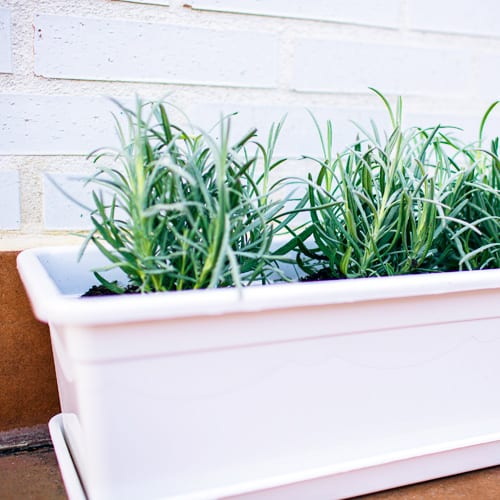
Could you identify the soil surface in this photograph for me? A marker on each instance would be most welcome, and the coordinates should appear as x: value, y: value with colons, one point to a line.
x: 101, y: 290
x: 324, y: 274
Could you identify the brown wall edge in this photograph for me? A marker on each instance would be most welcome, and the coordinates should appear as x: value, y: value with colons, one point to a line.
x: 28, y: 390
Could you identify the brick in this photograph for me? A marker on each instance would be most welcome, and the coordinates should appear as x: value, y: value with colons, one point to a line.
x: 10, y: 209
x: 459, y: 16
x: 299, y: 135
x: 35, y: 124
x: 5, y: 42
x: 487, y: 76
x: 68, y: 199
x: 61, y: 212
x: 381, y: 13
x: 351, y: 67
x: 165, y: 3
x: 98, y: 49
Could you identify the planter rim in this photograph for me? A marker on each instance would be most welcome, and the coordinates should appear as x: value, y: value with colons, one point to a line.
x: 53, y: 305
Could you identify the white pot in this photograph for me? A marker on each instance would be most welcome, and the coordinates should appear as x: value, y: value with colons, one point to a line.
x: 305, y: 390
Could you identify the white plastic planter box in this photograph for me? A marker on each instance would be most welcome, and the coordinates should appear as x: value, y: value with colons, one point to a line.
x: 306, y: 390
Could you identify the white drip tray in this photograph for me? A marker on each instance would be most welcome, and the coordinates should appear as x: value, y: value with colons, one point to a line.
x: 69, y: 474
x: 386, y: 472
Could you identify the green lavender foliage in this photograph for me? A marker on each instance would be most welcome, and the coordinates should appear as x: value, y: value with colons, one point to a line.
x: 478, y: 245
x: 176, y: 209
x: 409, y: 201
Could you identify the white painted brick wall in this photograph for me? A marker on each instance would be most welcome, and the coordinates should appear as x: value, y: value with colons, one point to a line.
x: 59, y: 59
x: 488, y: 64
x: 460, y: 16
x: 5, y: 42
x: 299, y: 135
x: 55, y: 124
x: 338, y: 66
x: 60, y: 211
x: 10, y: 209
x: 370, y: 12
x: 97, y: 49
x: 165, y: 3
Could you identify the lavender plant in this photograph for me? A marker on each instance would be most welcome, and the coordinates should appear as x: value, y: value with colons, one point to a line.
x: 409, y: 201
x: 478, y: 245
x: 178, y: 209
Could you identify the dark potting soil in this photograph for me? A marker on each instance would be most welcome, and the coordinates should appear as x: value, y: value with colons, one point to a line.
x: 101, y: 290
x: 324, y: 274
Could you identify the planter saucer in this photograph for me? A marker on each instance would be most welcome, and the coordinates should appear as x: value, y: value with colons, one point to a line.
x: 69, y: 474
x: 357, y: 478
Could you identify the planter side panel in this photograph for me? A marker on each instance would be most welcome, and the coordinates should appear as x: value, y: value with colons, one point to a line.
x: 187, y: 420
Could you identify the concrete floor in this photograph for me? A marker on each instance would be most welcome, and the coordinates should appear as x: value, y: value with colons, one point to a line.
x: 30, y: 475
x: 34, y: 475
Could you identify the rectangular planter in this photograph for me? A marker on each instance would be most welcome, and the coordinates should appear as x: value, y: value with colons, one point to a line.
x: 318, y: 390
